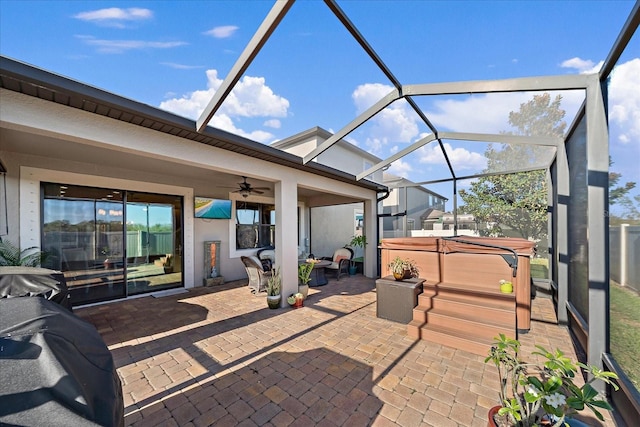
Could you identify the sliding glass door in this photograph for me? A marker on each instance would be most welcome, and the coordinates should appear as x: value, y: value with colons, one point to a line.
x: 82, y: 235
x: 111, y: 243
x: 154, y: 255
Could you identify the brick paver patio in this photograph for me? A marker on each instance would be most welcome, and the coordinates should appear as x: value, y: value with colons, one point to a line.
x: 219, y: 356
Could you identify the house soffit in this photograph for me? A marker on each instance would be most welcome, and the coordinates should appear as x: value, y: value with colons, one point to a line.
x: 32, y: 81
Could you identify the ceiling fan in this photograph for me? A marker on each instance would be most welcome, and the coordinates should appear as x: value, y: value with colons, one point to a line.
x: 246, y: 189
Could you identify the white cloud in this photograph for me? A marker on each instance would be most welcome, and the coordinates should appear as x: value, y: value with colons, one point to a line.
x: 396, y: 123
x: 224, y: 122
x: 222, y: 32
x: 273, y: 123
x: 577, y: 63
x: 485, y: 113
x: 624, y: 95
x: 624, y: 101
x: 374, y: 145
x: 250, y: 98
x: 583, y: 66
x: 489, y: 113
x: 461, y: 158
x: 120, y: 46
x: 181, y: 66
x: 115, y: 16
x: 364, y: 96
x: 400, y: 168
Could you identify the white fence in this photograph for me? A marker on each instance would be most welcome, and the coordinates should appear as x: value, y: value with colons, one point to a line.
x: 624, y: 255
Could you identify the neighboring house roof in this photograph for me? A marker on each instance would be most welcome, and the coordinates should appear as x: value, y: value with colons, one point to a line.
x: 32, y: 81
x: 324, y: 134
x: 318, y: 132
x: 395, y: 181
x: 431, y: 214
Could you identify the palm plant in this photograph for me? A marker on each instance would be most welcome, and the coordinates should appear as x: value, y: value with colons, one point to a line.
x: 304, y: 273
x: 11, y: 255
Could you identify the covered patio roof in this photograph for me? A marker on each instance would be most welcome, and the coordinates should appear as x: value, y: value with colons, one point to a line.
x: 29, y: 80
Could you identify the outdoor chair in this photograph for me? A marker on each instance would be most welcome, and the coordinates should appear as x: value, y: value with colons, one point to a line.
x: 267, y: 257
x: 339, y: 262
x: 257, y: 276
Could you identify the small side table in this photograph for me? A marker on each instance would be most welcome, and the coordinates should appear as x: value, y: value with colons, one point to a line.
x: 396, y: 299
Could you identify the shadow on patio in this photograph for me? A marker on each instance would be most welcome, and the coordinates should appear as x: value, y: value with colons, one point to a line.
x: 219, y: 356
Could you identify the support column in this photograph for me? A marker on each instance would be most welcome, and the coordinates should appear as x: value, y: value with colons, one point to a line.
x: 624, y: 234
x: 286, y: 195
x: 598, y: 223
x: 370, y: 230
x: 561, y: 225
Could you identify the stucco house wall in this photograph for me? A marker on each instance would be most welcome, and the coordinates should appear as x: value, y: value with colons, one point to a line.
x: 42, y: 141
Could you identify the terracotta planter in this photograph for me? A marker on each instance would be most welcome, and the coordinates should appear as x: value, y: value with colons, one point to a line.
x: 406, y: 274
x: 492, y: 413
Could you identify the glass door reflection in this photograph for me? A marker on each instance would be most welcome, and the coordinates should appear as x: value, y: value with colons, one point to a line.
x: 82, y: 231
x: 153, y: 261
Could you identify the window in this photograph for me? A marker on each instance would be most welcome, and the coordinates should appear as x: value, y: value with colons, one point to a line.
x: 366, y: 166
x: 255, y: 225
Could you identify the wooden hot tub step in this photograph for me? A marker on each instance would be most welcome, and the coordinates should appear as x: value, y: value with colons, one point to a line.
x: 483, y: 306
x: 457, y: 339
x: 471, y: 323
x: 468, y: 290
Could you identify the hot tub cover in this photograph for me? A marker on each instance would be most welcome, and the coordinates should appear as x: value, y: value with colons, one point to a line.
x: 55, y: 369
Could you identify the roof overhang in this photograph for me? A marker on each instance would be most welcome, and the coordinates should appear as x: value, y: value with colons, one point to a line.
x: 36, y: 82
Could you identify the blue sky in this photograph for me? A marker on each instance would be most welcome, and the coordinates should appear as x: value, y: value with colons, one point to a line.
x: 311, y: 72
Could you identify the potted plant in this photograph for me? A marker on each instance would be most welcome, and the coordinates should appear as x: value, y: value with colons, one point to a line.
x: 506, y: 287
x: 403, y: 268
x: 167, y: 263
x: 357, y: 241
x: 533, y: 394
x: 304, y: 277
x: 11, y: 255
x: 274, y: 284
x: 296, y: 300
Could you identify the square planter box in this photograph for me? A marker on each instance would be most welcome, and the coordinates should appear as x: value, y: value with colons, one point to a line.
x: 396, y: 299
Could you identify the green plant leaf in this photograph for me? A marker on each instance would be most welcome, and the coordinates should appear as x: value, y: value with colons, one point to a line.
x: 588, y: 392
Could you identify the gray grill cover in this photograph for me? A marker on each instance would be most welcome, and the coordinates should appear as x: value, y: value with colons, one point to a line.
x: 55, y: 369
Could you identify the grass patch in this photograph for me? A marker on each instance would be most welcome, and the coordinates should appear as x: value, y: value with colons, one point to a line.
x: 539, y: 268
x: 625, y: 330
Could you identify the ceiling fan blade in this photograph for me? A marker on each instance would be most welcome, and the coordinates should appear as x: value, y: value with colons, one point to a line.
x: 253, y: 190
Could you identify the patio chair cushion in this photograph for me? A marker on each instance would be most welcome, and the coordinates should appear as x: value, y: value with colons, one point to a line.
x: 267, y: 258
x: 340, y: 261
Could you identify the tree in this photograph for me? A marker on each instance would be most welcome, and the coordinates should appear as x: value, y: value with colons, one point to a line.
x: 518, y: 200
x: 618, y: 194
